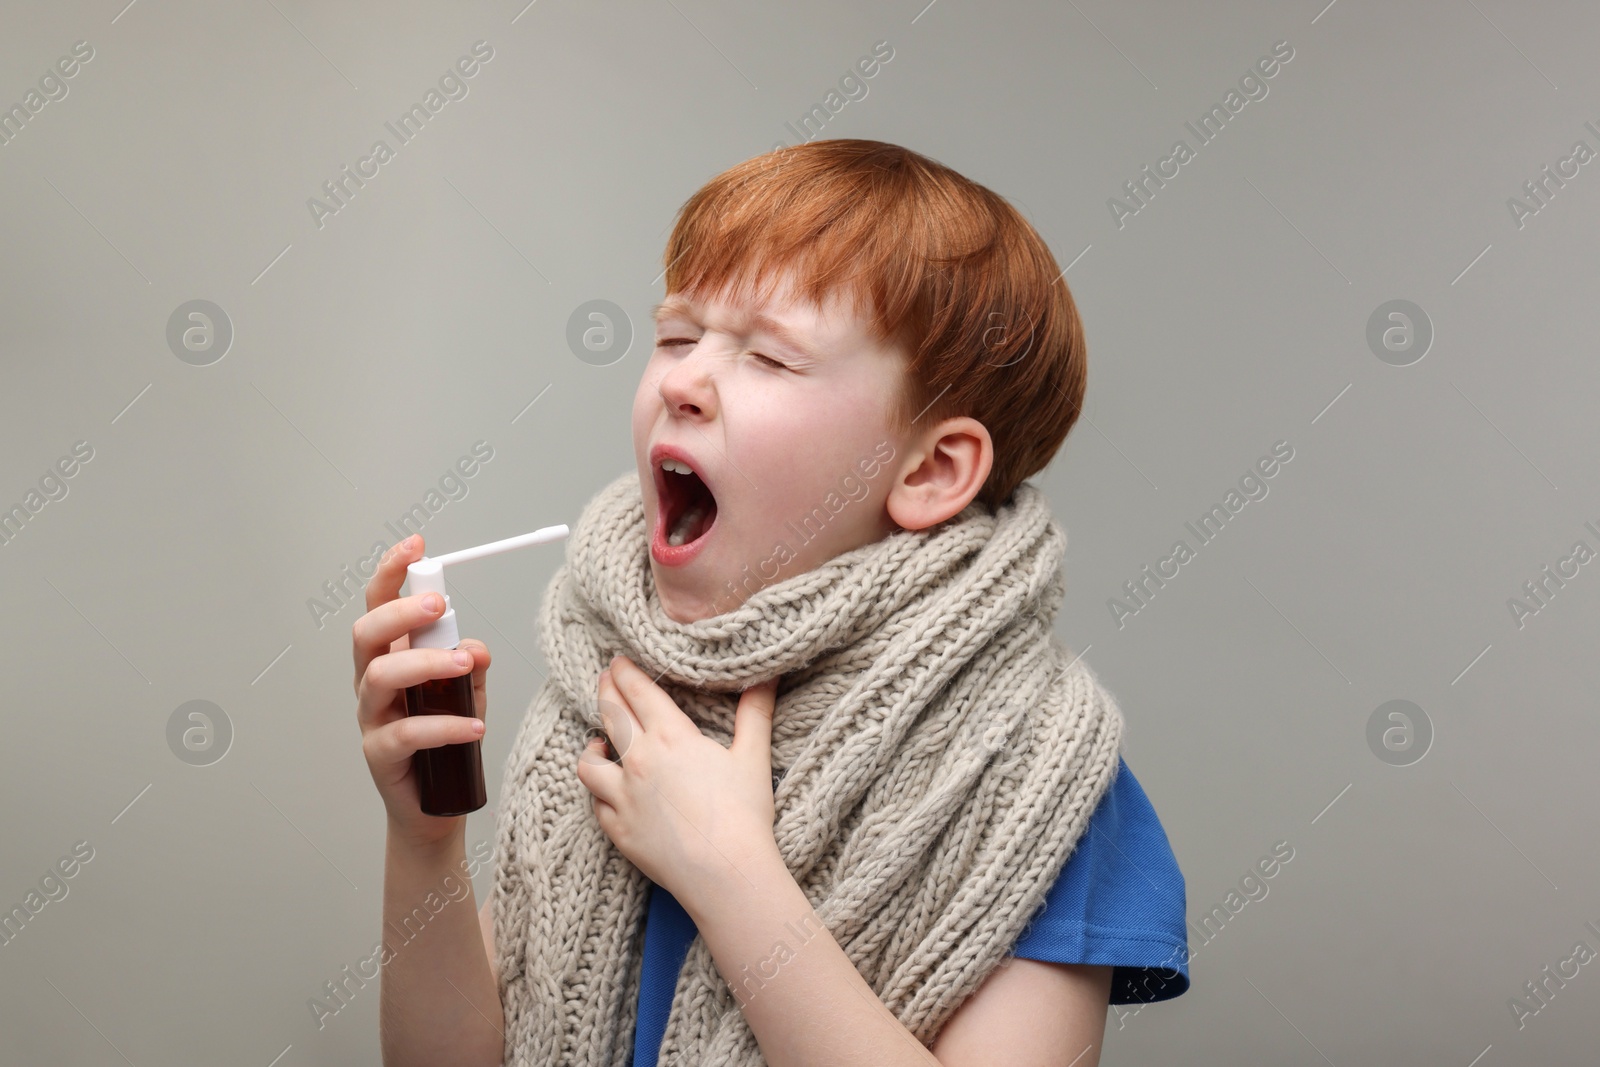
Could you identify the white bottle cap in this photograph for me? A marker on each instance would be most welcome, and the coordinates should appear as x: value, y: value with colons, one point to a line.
x: 427, y: 576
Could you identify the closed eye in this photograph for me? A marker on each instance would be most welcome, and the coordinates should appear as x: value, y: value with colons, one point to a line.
x: 673, y: 342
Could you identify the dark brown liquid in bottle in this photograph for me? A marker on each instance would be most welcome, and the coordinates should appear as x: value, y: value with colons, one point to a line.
x: 450, y: 777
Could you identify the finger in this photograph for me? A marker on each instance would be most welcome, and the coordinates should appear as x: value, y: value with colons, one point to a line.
x: 385, y: 583
x: 480, y: 674
x: 752, y: 721
x: 384, y: 586
x: 376, y: 632
x: 597, y: 747
x: 606, y: 816
x: 390, y: 673
x: 654, y: 709
x: 599, y: 775
x: 393, y: 744
x: 616, y: 718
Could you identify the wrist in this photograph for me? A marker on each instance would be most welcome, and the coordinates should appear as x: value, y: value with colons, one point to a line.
x: 436, y: 844
x: 733, y: 880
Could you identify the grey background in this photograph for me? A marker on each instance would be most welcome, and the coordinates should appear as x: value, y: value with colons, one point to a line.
x: 1230, y: 313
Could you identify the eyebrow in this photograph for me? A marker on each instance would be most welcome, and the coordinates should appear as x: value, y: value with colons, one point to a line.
x: 755, y: 321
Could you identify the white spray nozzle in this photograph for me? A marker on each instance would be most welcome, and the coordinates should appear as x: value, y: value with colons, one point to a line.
x: 538, y: 537
x: 426, y: 575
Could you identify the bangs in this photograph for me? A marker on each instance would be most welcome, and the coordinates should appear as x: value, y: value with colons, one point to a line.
x: 845, y: 226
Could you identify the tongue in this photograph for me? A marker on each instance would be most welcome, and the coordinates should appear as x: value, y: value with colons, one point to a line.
x: 690, y: 525
x: 698, y: 508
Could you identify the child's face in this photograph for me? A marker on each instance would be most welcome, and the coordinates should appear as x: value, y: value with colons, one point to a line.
x: 791, y: 439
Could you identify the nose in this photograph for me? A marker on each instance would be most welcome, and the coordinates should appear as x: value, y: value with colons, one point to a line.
x: 688, y: 388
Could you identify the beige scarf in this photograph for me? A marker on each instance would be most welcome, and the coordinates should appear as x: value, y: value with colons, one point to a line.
x: 941, y: 755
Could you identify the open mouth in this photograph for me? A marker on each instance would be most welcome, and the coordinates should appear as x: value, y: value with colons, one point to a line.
x: 688, y: 508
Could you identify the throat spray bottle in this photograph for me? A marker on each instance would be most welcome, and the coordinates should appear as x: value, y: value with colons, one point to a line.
x: 450, y: 777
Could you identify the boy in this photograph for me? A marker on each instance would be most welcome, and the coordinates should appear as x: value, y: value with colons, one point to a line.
x: 809, y: 780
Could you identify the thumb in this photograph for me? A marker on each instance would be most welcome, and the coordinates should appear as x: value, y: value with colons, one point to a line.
x: 752, y: 720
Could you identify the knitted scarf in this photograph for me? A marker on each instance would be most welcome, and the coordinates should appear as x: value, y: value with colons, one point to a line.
x: 940, y: 755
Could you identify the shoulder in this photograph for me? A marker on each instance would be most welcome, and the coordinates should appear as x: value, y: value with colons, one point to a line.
x: 1119, y: 901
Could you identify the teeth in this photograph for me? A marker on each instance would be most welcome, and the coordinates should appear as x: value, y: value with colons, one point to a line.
x: 675, y: 466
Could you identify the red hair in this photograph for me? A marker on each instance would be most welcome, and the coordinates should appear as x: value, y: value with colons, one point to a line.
x: 950, y: 272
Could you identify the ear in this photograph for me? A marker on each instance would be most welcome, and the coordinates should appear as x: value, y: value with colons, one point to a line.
x: 945, y: 468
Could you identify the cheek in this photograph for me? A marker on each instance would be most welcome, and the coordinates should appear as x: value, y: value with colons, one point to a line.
x: 839, y: 427
x: 645, y: 401
x: 827, y: 434
x: 775, y: 428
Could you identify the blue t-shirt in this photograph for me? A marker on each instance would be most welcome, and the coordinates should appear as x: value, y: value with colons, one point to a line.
x: 1119, y: 901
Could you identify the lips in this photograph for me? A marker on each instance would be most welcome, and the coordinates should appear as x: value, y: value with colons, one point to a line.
x: 686, y: 510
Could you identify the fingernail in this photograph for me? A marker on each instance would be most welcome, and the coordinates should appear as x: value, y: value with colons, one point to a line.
x: 463, y: 659
x: 477, y: 726
x: 431, y: 603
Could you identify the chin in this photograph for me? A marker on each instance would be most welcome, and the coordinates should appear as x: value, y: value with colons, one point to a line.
x: 684, y: 608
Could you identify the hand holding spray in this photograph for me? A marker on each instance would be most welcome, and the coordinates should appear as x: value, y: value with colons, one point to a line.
x: 450, y: 777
